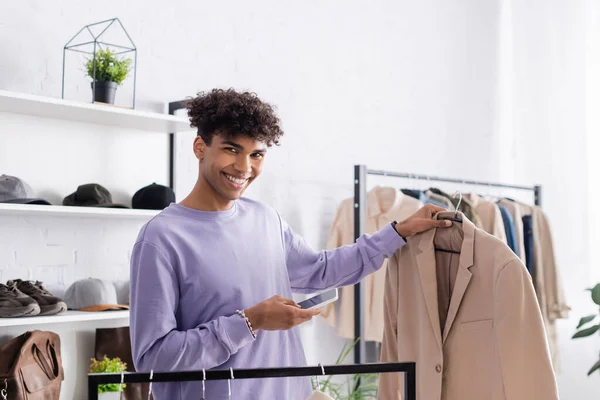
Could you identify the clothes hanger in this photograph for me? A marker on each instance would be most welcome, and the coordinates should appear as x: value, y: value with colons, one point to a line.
x: 121, y: 385
x: 203, y: 384
x: 229, y: 382
x: 150, y: 386
x: 317, y: 377
x: 455, y: 218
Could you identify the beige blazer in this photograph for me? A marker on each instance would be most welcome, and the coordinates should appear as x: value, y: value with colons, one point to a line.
x: 492, y: 346
x: 385, y: 204
x: 490, y: 216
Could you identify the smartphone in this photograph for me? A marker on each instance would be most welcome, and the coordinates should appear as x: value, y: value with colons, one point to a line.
x: 319, y: 300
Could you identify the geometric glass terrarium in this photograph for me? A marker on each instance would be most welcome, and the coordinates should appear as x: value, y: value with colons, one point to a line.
x: 102, y: 51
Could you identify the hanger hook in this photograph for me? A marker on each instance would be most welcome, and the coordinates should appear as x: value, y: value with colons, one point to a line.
x: 121, y: 385
x: 229, y: 381
x: 458, y: 194
x: 317, y: 376
x: 4, y: 392
x: 203, y: 384
x: 150, y: 386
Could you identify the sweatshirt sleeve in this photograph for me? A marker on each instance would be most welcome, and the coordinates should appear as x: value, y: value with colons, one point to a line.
x: 523, y: 349
x: 157, y: 342
x: 312, y: 271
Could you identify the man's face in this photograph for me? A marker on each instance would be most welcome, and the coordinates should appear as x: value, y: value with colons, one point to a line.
x: 230, y: 165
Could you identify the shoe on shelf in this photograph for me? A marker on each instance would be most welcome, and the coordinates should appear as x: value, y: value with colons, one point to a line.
x: 14, y: 303
x: 49, y: 304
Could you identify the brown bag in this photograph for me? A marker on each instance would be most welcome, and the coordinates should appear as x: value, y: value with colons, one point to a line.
x: 115, y: 342
x: 31, y: 367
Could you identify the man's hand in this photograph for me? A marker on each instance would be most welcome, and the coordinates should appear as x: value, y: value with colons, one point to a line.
x: 278, y: 314
x: 422, y: 221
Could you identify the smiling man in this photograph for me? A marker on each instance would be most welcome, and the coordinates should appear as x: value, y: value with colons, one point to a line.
x: 212, y: 276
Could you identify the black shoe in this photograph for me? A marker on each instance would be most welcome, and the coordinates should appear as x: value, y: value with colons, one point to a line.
x: 48, y: 303
x: 14, y: 303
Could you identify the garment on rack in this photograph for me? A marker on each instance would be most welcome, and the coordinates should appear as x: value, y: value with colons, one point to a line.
x: 515, y: 213
x: 420, y: 195
x: 509, y: 227
x: 489, y: 215
x: 384, y: 205
x: 528, y: 243
x: 548, y: 286
x: 465, y: 205
x: 492, y: 344
x: 318, y: 395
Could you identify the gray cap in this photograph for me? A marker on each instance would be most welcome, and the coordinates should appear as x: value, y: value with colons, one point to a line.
x: 93, y: 295
x: 15, y: 190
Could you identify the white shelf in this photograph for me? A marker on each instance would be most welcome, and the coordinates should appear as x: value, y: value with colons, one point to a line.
x: 67, y: 316
x: 48, y: 107
x: 70, y: 211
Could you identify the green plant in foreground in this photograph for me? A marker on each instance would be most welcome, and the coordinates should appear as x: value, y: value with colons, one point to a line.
x: 108, y: 365
x: 358, y: 387
x: 590, y: 330
x: 108, y: 67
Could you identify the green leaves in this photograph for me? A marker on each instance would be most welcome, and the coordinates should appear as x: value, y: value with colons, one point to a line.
x: 586, y: 332
x: 596, y: 294
x: 108, y: 67
x: 108, y: 365
x: 596, y: 367
x: 585, y: 320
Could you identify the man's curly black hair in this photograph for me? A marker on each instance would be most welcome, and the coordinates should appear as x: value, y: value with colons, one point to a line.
x: 230, y: 113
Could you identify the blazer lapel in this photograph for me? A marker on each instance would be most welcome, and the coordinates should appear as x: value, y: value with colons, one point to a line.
x: 427, y: 273
x: 463, y: 276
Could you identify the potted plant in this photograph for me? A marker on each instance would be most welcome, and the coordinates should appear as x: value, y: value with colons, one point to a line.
x: 109, y: 391
x: 110, y: 73
x: 356, y: 387
x: 590, y: 325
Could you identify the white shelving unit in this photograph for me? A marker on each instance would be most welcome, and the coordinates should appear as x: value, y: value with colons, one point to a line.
x: 69, y: 211
x: 48, y: 107
x: 67, y: 316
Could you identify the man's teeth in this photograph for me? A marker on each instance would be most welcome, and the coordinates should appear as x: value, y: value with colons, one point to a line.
x: 236, y: 180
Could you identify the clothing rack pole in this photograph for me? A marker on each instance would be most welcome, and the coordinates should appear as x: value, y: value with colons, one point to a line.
x: 408, y: 368
x: 360, y: 207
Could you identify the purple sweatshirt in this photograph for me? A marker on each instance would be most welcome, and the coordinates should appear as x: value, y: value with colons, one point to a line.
x: 191, y: 270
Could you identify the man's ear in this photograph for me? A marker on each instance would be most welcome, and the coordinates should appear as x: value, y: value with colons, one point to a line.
x: 199, y: 147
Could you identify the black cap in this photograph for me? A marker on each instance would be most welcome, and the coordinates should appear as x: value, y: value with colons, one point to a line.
x: 153, y: 197
x: 91, y: 195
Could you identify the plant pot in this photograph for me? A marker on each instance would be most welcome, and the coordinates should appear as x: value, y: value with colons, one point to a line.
x: 105, y: 91
x: 109, y: 396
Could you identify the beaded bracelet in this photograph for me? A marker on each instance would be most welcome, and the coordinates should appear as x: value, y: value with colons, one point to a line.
x: 242, y: 314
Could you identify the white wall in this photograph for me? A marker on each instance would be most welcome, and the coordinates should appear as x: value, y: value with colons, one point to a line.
x: 548, y: 67
x: 410, y: 86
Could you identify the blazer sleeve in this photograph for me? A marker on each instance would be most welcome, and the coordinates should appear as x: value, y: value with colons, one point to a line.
x: 555, y: 299
x: 390, y: 385
x: 523, y: 350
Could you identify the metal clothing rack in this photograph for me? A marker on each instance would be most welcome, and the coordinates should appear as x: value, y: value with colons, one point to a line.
x: 360, y: 206
x: 408, y: 368
x: 173, y: 106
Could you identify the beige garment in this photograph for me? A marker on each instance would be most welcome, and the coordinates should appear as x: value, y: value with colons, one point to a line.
x: 385, y: 205
x: 317, y: 395
x: 548, y: 286
x: 493, y: 345
x: 515, y: 213
x: 490, y: 216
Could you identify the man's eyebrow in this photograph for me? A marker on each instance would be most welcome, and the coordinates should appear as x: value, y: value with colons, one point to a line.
x: 233, y: 144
